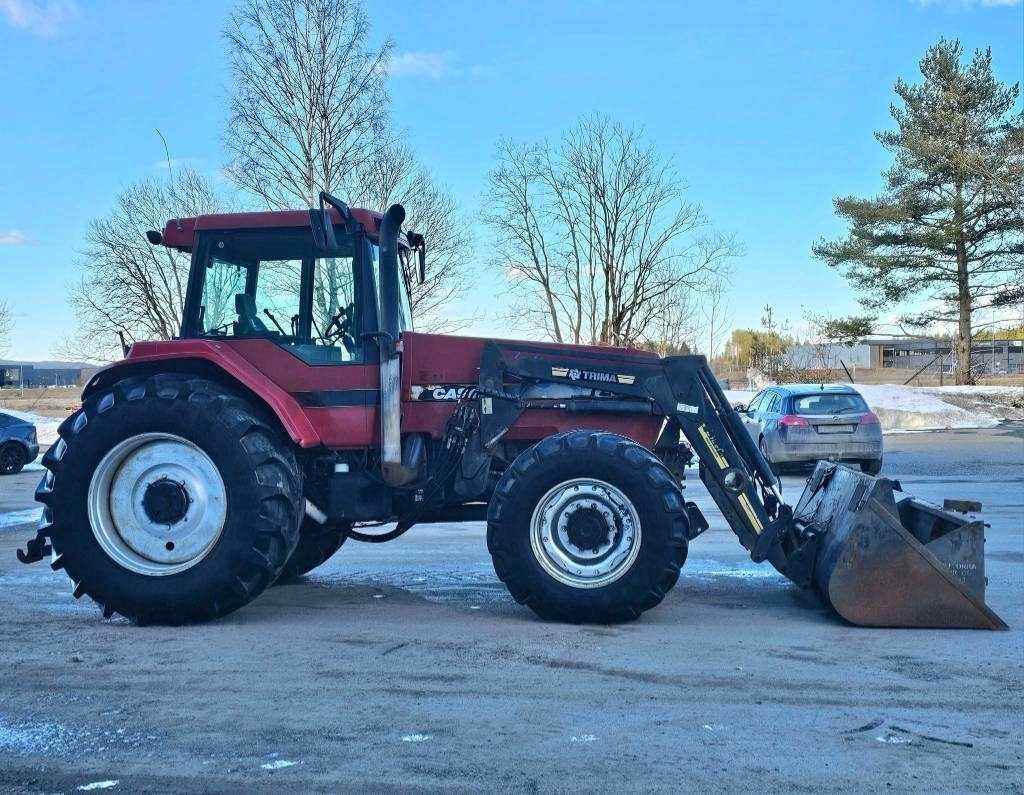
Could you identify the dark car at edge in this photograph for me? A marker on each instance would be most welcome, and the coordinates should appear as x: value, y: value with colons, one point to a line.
x: 18, y: 443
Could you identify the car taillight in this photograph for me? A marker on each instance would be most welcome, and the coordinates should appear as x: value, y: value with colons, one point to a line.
x: 791, y: 419
x: 869, y: 419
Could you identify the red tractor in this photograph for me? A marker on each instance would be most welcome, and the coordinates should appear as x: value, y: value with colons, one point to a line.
x: 298, y: 406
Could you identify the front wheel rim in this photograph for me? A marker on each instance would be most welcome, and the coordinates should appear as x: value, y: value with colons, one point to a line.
x: 157, y: 504
x: 585, y: 533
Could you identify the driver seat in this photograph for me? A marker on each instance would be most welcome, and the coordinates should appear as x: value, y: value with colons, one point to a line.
x: 248, y: 323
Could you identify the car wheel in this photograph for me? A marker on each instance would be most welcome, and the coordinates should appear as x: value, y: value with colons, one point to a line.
x: 763, y: 447
x: 871, y: 466
x: 12, y: 458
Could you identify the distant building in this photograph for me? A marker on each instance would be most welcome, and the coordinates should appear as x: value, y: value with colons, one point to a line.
x: 23, y: 375
x: 910, y: 353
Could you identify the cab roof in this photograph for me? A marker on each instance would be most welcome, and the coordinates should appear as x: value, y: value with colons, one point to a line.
x: 180, y: 233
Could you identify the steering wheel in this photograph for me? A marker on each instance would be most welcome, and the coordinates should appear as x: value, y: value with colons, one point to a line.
x: 339, y: 328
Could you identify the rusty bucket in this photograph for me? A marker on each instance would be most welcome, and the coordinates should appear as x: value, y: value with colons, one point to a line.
x: 884, y: 563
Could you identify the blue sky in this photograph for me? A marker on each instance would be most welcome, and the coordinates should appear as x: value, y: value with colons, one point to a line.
x: 767, y: 110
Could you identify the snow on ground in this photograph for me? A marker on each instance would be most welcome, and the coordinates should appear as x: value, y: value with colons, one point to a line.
x: 906, y: 408
x: 46, y: 427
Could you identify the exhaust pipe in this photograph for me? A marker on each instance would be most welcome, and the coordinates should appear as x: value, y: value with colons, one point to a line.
x: 394, y: 473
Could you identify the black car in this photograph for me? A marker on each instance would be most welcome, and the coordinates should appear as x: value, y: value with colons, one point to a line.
x: 18, y: 443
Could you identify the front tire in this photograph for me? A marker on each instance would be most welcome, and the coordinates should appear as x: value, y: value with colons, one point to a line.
x: 170, y: 500
x: 587, y: 526
x: 12, y: 458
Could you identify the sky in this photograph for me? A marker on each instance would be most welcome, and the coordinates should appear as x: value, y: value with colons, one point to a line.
x: 766, y: 109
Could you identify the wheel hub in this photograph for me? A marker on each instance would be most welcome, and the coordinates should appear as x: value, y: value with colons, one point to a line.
x: 585, y: 533
x: 586, y: 528
x: 157, y: 504
x: 166, y: 502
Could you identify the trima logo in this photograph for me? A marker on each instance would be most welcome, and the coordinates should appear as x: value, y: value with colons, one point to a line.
x: 576, y: 374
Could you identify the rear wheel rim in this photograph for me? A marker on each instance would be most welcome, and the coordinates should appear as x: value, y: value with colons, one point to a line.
x: 157, y: 504
x: 585, y: 533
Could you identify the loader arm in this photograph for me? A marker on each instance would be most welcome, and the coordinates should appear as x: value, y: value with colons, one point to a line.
x: 876, y: 561
x: 684, y: 390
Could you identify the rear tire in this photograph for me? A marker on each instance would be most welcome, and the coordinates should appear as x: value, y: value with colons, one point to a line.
x: 587, y: 526
x: 317, y: 543
x: 871, y: 466
x: 170, y: 500
x: 12, y: 458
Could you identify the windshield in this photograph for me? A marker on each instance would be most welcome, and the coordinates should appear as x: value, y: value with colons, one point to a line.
x: 271, y: 284
x: 829, y: 404
x: 404, y: 310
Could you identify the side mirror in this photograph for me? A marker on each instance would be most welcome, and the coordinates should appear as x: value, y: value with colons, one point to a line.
x: 418, y: 244
x: 323, y: 231
x: 323, y: 228
x: 740, y: 407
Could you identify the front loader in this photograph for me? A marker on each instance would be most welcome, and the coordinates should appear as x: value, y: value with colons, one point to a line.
x: 298, y: 409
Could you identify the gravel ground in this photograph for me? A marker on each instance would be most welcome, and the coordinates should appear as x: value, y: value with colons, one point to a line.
x: 407, y: 668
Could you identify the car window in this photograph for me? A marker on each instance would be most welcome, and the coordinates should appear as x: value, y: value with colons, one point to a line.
x: 753, y: 404
x: 829, y: 404
x: 776, y: 405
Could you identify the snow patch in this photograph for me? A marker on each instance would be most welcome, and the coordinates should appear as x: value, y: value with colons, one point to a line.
x: 277, y: 764
x: 16, y: 518
x: 908, y: 408
x: 100, y: 785
x: 46, y: 427
x: 32, y: 738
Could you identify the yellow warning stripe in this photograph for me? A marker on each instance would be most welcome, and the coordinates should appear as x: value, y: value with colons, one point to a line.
x: 749, y: 510
x: 719, y: 458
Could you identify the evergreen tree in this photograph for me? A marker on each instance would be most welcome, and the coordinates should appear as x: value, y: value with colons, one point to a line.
x: 949, y: 226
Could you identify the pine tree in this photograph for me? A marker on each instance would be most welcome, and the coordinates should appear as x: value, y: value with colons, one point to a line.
x: 949, y: 227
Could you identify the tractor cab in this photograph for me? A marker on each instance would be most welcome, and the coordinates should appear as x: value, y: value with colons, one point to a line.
x: 266, y: 275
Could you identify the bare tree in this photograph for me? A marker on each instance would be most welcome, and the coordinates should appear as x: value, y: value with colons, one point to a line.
x: 6, y: 324
x: 309, y: 105
x: 310, y: 112
x: 431, y: 211
x: 715, y: 309
x: 129, y: 285
x: 595, y: 235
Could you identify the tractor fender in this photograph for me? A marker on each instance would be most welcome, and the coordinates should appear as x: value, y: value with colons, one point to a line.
x: 209, y: 359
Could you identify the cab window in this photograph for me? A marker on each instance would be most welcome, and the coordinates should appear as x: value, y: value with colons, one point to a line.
x: 272, y: 285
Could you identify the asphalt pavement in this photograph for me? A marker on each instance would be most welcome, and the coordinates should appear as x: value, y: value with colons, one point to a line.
x: 406, y: 667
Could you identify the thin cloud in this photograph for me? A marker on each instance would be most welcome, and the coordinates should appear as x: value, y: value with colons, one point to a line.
x: 39, y: 17
x: 175, y: 162
x: 13, y: 237
x: 422, y: 64
x: 434, y: 65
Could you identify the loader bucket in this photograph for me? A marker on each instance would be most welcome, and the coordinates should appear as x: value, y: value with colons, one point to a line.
x: 886, y: 564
